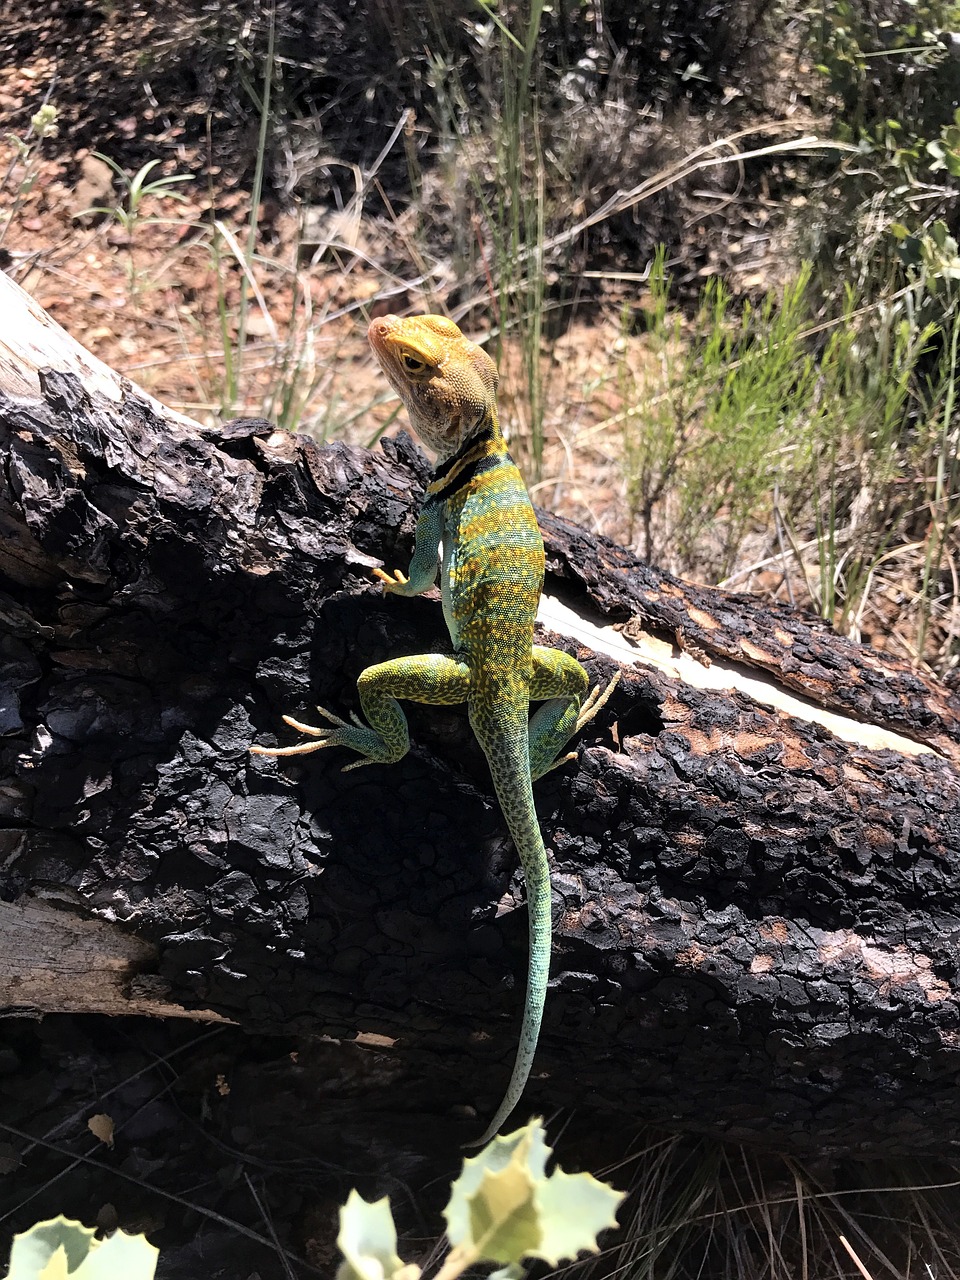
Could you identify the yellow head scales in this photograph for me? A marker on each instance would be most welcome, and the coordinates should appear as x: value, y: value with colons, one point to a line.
x: 447, y: 383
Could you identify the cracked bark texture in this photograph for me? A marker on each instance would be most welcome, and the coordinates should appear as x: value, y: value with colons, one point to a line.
x: 756, y: 918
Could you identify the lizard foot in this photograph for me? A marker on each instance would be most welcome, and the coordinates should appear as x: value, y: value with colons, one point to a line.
x: 595, y: 702
x: 304, y: 748
x: 337, y: 736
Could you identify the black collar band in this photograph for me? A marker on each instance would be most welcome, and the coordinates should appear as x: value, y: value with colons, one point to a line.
x: 482, y: 438
x: 486, y: 462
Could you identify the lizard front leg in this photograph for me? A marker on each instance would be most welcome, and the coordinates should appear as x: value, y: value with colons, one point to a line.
x: 422, y: 573
x: 384, y: 739
x: 434, y: 678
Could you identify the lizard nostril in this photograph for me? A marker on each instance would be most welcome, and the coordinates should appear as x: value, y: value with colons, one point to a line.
x: 381, y: 326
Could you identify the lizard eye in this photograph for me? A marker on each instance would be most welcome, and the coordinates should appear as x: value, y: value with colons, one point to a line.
x: 413, y: 364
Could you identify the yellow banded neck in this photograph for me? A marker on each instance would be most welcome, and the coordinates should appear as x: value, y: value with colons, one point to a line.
x: 472, y: 458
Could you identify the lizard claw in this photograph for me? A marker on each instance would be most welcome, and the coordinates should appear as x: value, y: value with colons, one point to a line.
x: 391, y: 580
x: 357, y: 764
x: 595, y: 702
x: 304, y: 748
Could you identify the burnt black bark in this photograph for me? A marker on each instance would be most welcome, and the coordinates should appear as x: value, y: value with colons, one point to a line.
x: 756, y: 919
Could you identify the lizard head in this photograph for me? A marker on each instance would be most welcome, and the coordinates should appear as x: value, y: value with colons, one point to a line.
x: 447, y: 383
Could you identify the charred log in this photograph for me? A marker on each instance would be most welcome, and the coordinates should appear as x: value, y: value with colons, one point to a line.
x: 756, y: 887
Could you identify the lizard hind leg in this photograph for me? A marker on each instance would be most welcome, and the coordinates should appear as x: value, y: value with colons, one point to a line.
x: 434, y: 678
x: 383, y: 738
x: 562, y: 683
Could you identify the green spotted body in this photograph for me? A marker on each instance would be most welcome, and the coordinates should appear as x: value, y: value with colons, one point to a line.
x: 491, y: 569
x: 492, y: 579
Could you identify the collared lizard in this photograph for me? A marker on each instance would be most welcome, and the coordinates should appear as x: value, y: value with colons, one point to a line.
x: 492, y: 570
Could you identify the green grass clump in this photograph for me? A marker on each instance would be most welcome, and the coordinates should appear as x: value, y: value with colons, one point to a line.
x: 822, y: 451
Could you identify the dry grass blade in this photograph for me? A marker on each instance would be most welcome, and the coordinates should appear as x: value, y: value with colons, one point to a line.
x: 233, y: 244
x: 856, y: 1260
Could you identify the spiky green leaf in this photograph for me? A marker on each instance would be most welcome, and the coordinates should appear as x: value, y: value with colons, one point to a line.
x: 504, y: 1207
x: 573, y: 1207
x: 504, y: 1221
x: 533, y: 1152
x: 60, y: 1247
x: 367, y: 1240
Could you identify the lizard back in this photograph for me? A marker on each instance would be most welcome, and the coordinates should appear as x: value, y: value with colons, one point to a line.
x: 493, y: 566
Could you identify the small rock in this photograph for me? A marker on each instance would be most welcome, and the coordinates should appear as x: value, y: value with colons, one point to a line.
x: 95, y: 189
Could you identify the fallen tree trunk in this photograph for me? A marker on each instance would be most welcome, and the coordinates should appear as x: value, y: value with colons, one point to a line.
x: 756, y: 889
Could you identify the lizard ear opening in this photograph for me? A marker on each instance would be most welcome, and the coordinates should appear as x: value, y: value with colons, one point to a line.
x: 450, y: 429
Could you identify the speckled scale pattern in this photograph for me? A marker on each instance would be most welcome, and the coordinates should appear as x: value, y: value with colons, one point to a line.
x: 491, y: 578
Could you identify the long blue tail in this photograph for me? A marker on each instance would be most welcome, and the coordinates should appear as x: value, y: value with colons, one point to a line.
x: 509, y: 761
